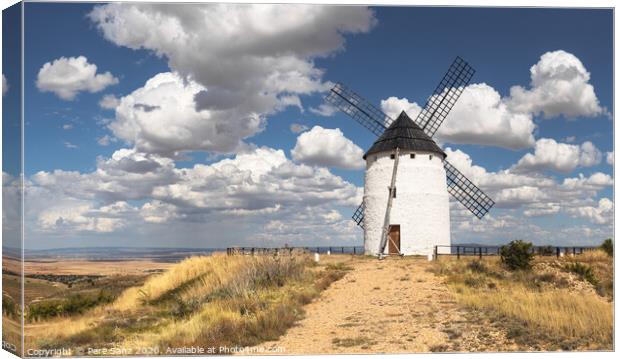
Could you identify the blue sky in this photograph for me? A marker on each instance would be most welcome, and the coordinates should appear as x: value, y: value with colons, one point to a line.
x: 382, y: 53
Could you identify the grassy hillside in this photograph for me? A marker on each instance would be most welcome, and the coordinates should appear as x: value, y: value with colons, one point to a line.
x: 561, y: 303
x: 206, y: 301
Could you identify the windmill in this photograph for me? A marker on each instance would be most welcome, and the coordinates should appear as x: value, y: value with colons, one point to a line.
x: 415, y: 218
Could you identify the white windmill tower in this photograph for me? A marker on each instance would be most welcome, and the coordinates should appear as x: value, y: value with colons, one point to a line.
x: 406, y: 202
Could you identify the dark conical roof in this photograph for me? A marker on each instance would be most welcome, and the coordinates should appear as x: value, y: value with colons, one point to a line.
x: 406, y: 135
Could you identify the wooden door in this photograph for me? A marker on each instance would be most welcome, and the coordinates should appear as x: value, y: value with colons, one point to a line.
x: 394, y: 240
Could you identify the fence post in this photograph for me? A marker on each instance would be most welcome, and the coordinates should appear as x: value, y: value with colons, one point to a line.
x: 480, y: 252
x: 557, y: 252
x: 574, y: 251
x: 436, y: 252
x: 353, y: 249
x: 458, y: 252
x: 342, y: 250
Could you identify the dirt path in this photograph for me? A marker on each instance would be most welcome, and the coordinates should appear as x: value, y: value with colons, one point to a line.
x: 389, y: 306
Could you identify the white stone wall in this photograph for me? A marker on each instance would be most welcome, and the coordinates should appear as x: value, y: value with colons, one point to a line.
x: 421, y: 206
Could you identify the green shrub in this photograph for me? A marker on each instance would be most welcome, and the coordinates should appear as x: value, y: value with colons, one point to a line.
x: 75, y: 304
x: 517, y: 255
x: 477, y: 266
x: 608, y: 247
x: 584, y: 271
x: 9, y: 307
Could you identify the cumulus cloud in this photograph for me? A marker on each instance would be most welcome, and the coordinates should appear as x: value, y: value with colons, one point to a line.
x: 479, y: 117
x: 529, y: 190
x: 109, y: 102
x: 237, y: 74
x: 5, y: 85
x: 66, y: 77
x: 520, y: 196
x: 67, y: 126
x: 161, y: 117
x: 298, y: 128
x: 559, y: 86
x: 393, y: 106
x: 81, y: 216
x: 260, y: 184
x: 603, y: 213
x: 562, y: 157
x: 327, y: 147
x: 609, y: 158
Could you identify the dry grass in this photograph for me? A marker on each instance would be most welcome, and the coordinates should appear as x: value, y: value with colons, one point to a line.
x: 539, y: 309
x: 216, y: 300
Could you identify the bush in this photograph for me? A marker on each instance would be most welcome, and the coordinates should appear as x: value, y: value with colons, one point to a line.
x: 517, y: 255
x: 608, y: 247
x: 74, y: 304
x: 477, y: 266
x: 583, y: 270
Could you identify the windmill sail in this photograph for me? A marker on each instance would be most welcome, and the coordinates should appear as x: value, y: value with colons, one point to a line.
x: 359, y: 109
x: 445, y: 96
x: 358, y: 215
x: 466, y: 192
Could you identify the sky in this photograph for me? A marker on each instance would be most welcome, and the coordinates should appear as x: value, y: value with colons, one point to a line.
x: 205, y: 126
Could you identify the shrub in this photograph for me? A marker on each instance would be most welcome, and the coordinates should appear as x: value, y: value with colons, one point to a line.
x: 74, y: 304
x: 9, y: 307
x: 477, y: 266
x: 608, y: 247
x: 517, y: 255
x: 584, y: 271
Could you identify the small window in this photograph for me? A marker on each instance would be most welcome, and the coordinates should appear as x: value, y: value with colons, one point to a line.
x: 430, y: 157
x: 412, y: 155
x: 392, y: 157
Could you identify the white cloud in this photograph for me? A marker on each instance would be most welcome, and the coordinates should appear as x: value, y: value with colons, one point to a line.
x: 560, y: 86
x: 241, y: 61
x: 67, y: 126
x: 327, y: 147
x: 105, y: 140
x: 570, y: 139
x: 109, y: 102
x: 610, y: 158
x: 70, y: 145
x: 5, y: 85
x: 66, y: 77
x: 161, y: 117
x: 260, y: 184
x: 480, y: 116
x: 393, y: 106
x: 530, y: 191
x: 159, y: 212
x: 298, y: 128
x: 601, y: 214
x: 562, y: 157
x: 81, y: 216
x: 324, y: 109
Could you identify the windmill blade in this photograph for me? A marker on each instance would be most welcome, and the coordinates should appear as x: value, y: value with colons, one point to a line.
x: 445, y: 96
x: 358, y: 215
x: 466, y: 192
x: 359, y: 109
